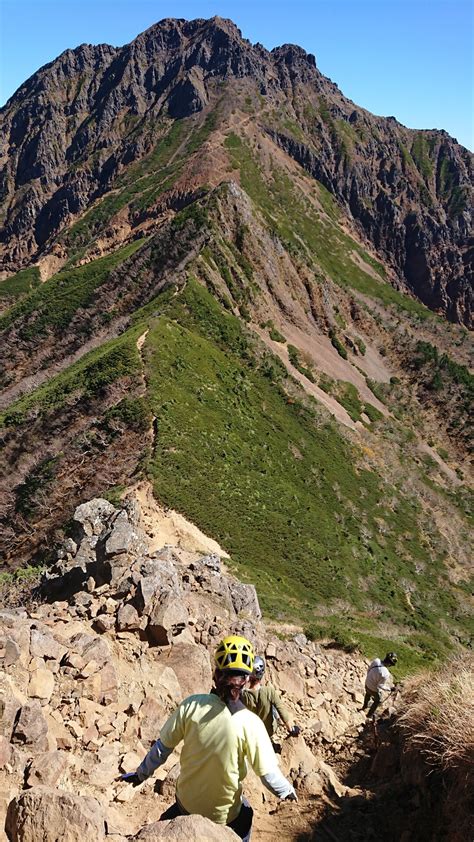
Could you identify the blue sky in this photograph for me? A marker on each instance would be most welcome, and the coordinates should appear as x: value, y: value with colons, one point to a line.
x: 412, y: 59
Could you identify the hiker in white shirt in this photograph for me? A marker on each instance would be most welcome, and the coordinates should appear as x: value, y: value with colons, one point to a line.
x: 378, y: 682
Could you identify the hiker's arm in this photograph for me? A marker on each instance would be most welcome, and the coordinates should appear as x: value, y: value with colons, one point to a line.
x: 172, y: 733
x: 278, y: 785
x: 157, y: 755
x: 262, y: 759
x: 282, y: 710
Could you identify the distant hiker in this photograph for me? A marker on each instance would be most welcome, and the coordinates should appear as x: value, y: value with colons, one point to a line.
x: 266, y: 702
x: 378, y: 682
x: 220, y: 737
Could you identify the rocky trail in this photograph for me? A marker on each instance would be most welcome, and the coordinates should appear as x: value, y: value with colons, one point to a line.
x: 119, y: 635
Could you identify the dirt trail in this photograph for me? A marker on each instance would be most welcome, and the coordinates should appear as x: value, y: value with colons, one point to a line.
x: 166, y: 526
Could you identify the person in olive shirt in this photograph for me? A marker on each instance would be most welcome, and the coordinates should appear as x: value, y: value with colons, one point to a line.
x: 266, y: 702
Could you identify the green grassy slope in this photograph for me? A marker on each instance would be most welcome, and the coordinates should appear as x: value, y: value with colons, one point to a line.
x: 19, y: 284
x: 284, y: 493
x: 53, y: 305
x: 83, y: 380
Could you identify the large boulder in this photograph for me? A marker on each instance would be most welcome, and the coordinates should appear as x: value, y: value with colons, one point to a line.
x: 10, y: 651
x: 128, y: 618
x: 52, y: 815
x: 152, y: 716
x: 190, y: 828
x: 168, y: 618
x: 192, y: 666
x: 92, y: 516
x: 10, y: 704
x: 153, y: 577
x: 31, y: 728
x: 44, y: 645
x: 123, y: 538
x: 46, y: 769
x: 245, y: 601
x: 41, y: 684
x: 91, y: 648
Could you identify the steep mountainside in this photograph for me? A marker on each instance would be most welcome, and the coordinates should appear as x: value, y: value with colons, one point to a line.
x: 215, y: 252
x: 69, y: 131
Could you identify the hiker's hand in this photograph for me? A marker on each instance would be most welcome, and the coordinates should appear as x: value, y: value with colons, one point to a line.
x: 291, y: 797
x: 130, y: 778
x: 295, y: 731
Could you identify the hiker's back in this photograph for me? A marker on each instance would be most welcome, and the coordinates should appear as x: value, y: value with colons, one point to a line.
x: 213, y: 760
x: 260, y: 700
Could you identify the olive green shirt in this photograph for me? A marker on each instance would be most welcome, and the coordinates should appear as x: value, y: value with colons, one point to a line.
x: 261, y: 700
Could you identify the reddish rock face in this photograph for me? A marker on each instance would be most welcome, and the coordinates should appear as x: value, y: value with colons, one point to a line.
x: 409, y: 192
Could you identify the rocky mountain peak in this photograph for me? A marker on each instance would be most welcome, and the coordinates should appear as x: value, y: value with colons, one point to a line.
x: 291, y: 54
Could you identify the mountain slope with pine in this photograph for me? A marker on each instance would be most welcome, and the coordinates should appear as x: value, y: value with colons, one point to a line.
x: 217, y: 271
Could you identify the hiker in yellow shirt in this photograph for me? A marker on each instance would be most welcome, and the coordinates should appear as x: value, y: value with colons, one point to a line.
x: 220, y: 736
x: 266, y: 702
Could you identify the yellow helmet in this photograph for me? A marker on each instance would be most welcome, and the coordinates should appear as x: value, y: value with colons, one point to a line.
x: 235, y: 653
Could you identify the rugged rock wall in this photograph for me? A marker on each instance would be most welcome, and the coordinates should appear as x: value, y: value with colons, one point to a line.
x: 76, y: 123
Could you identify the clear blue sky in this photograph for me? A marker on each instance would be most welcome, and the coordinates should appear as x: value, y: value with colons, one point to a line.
x: 412, y: 59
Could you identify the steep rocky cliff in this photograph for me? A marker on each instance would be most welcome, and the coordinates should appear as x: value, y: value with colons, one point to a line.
x: 81, y: 121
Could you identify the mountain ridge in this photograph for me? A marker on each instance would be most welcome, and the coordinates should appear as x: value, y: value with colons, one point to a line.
x: 175, y: 65
x: 199, y: 306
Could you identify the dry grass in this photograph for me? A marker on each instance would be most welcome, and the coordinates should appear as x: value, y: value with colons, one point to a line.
x: 439, y: 715
x: 438, y: 724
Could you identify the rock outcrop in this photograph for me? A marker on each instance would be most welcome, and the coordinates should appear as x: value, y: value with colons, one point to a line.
x: 92, y: 683
x: 48, y: 814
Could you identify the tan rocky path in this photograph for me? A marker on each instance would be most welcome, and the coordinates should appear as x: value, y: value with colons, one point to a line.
x: 123, y: 633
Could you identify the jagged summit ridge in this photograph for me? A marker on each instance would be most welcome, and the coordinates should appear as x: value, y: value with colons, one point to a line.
x: 68, y: 133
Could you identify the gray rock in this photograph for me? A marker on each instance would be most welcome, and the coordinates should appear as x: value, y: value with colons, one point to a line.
x: 167, y: 619
x: 31, y: 728
x: 85, y: 555
x: 245, y: 600
x: 128, y: 618
x: 10, y: 651
x: 70, y: 546
x: 121, y: 537
x: 9, y: 616
x: 93, y: 516
x: 133, y: 509
x: 212, y: 561
x: 300, y: 639
x: 44, y: 645
x: 91, y: 648
x: 104, y: 622
x: 160, y: 577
